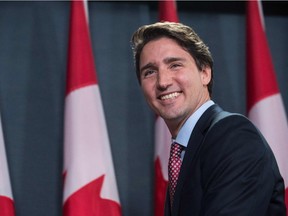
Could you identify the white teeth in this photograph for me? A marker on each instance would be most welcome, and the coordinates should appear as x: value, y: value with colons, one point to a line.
x: 170, y: 96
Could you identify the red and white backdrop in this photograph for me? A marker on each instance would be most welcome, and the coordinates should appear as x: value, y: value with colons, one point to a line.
x: 90, y: 187
x: 33, y: 53
x: 264, y: 102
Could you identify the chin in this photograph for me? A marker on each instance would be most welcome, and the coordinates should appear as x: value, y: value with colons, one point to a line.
x: 169, y: 117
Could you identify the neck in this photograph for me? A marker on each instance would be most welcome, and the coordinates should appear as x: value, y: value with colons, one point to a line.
x: 174, y: 125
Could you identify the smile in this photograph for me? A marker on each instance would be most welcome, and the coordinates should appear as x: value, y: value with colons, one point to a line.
x: 170, y: 96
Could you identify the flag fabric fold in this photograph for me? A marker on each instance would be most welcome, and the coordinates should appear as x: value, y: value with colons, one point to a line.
x: 6, y: 198
x: 90, y: 187
x: 167, y: 12
x: 264, y: 102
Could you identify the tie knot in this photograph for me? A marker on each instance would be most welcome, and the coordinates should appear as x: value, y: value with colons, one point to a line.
x: 176, y: 150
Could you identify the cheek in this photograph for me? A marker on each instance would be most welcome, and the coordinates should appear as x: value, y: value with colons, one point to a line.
x: 187, y: 81
x: 147, y: 90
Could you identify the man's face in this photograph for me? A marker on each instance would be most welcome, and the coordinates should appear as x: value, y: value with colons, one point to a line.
x: 171, y: 82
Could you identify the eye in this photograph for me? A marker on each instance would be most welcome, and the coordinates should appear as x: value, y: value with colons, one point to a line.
x: 175, y: 65
x: 149, y: 72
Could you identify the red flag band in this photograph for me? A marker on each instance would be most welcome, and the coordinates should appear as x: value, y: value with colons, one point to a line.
x: 168, y: 11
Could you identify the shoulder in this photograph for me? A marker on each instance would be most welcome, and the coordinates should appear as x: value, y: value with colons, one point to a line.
x: 234, y: 139
x: 228, y: 130
x: 235, y: 130
x: 232, y: 124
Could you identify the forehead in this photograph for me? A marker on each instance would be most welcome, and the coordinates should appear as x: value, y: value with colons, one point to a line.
x: 162, y: 48
x: 162, y: 40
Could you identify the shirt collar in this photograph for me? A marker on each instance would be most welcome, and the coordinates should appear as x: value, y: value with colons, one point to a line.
x: 186, y: 130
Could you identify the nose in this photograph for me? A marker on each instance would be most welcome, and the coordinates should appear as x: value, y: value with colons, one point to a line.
x: 164, y: 80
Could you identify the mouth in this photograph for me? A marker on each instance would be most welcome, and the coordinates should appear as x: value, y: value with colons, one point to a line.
x: 169, y: 96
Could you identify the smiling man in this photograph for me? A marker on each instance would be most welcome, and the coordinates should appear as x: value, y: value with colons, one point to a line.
x: 173, y: 85
x: 219, y: 164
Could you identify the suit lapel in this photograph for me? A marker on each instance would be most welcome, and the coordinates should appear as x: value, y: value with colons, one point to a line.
x: 192, y: 149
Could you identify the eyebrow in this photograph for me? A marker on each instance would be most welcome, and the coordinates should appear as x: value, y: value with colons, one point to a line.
x: 173, y: 59
x: 166, y: 61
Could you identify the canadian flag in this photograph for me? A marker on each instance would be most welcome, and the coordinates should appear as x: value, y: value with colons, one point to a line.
x: 264, y: 103
x: 89, y: 180
x: 167, y: 12
x: 6, y: 198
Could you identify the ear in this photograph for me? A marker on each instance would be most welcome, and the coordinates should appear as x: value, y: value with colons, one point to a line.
x: 206, y: 75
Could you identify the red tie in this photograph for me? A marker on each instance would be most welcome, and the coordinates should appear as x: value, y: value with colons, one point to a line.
x: 174, y: 168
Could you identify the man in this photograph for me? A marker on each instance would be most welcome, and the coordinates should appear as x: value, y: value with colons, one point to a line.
x: 227, y: 166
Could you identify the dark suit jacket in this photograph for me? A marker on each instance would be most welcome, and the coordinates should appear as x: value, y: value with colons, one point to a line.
x: 228, y: 169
